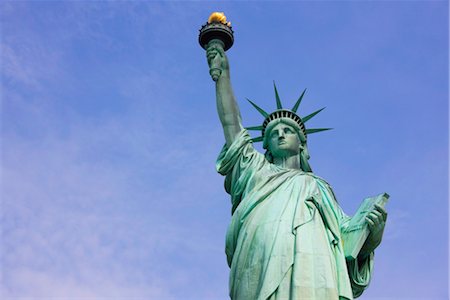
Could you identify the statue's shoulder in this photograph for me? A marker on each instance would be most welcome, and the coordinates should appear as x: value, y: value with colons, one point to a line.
x: 319, y: 179
x: 313, y: 176
x: 322, y: 182
x: 308, y: 178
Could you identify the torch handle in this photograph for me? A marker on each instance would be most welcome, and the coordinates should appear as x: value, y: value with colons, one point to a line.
x: 215, y: 68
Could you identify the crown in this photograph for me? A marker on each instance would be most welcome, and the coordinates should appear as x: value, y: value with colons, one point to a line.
x: 280, y: 113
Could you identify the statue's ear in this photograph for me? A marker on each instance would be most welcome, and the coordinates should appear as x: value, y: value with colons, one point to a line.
x: 304, y: 156
x: 304, y: 151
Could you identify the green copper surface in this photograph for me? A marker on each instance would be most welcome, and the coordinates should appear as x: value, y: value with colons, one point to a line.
x: 294, y: 109
x: 261, y: 111
x: 310, y: 116
x: 257, y: 139
x: 314, y: 130
x: 277, y: 97
x: 254, y: 127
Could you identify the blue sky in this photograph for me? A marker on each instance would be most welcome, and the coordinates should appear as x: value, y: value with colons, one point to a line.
x: 110, y: 135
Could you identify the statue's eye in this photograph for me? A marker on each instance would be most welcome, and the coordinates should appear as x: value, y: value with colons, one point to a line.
x: 287, y: 130
x: 274, y: 133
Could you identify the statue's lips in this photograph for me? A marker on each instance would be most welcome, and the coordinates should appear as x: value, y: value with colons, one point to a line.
x: 281, y: 142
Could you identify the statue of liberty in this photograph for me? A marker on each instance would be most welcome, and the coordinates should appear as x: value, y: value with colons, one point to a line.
x: 288, y: 237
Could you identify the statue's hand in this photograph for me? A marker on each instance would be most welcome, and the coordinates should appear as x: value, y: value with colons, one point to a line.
x: 217, y: 58
x: 376, y: 220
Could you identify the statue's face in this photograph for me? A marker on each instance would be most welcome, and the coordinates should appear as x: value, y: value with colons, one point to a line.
x: 283, y: 141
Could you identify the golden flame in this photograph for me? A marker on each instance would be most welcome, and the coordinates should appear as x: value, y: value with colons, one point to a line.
x: 218, y: 17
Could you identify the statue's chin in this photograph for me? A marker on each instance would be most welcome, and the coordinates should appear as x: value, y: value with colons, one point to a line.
x: 284, y: 154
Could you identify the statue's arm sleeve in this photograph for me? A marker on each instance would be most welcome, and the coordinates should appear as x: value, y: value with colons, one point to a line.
x: 239, y: 162
x: 360, y: 273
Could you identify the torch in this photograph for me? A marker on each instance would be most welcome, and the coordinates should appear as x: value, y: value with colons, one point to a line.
x: 216, y: 31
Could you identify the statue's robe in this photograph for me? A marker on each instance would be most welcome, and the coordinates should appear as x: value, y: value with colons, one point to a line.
x: 284, y: 240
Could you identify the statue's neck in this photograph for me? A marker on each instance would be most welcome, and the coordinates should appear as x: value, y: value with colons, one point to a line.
x: 290, y: 162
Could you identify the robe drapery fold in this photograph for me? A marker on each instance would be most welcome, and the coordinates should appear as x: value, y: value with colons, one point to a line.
x: 284, y: 239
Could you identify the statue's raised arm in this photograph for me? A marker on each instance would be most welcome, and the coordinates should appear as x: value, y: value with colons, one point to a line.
x: 227, y: 106
x: 216, y: 36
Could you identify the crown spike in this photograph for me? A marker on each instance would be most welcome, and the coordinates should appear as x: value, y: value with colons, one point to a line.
x: 294, y: 109
x: 261, y: 111
x: 260, y: 127
x: 314, y: 130
x: 277, y: 97
x: 305, y: 119
x: 257, y: 139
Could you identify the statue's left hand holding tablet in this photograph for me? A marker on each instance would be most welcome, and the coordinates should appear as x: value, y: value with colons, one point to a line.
x: 376, y: 220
